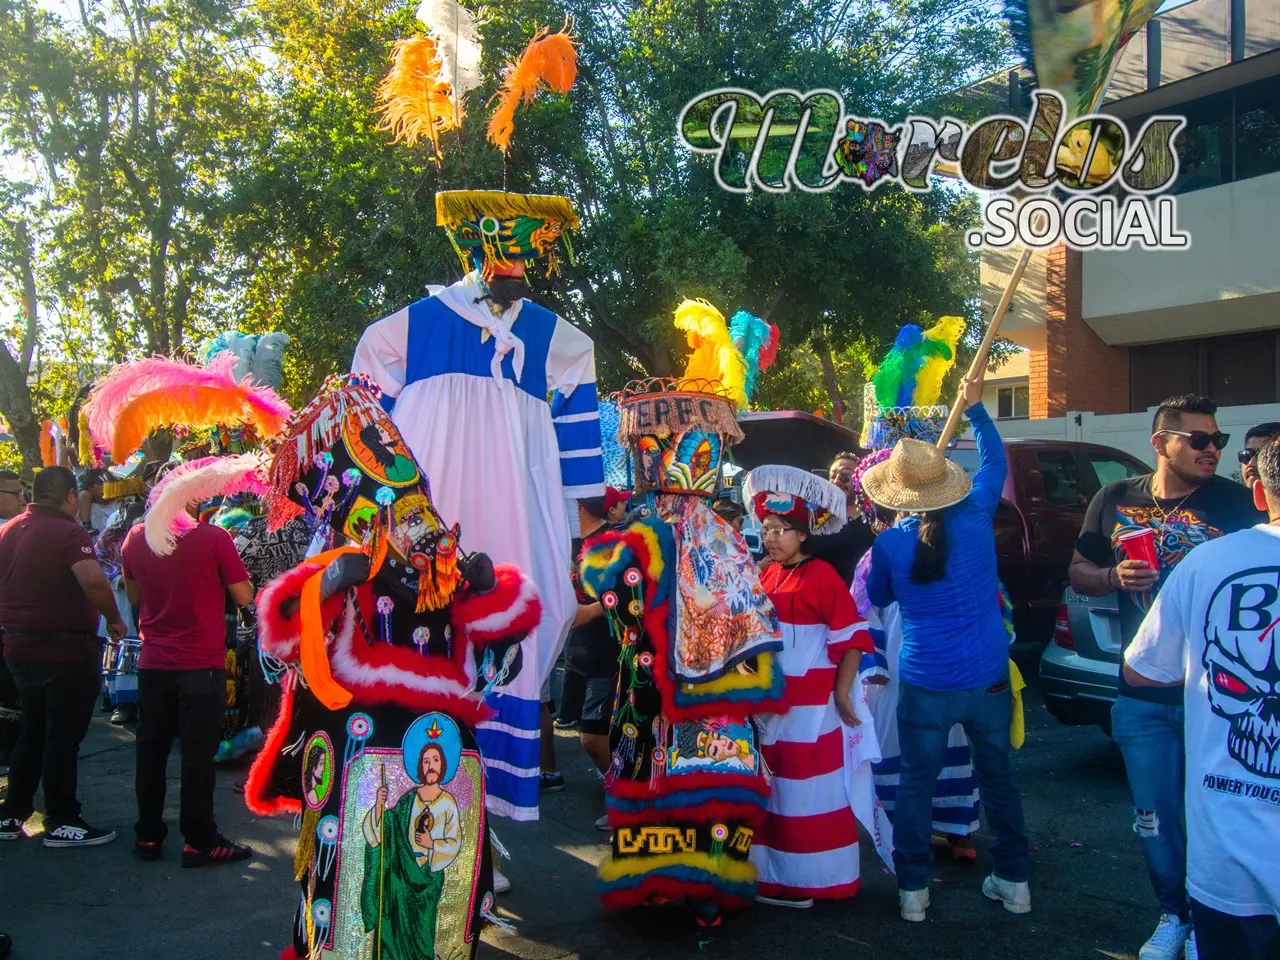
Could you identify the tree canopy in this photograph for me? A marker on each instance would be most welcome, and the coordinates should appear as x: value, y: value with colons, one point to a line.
x: 176, y: 167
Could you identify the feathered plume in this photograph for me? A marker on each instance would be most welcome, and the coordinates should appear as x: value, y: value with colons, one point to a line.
x: 455, y: 30
x: 414, y: 100
x: 895, y: 378
x: 549, y: 62
x: 136, y: 398
x: 757, y: 341
x: 267, y: 369
x: 48, y: 447
x: 940, y: 356
x: 196, y: 482
x: 714, y: 356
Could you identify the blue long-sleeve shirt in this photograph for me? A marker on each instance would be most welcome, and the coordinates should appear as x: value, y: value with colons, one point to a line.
x: 953, y: 633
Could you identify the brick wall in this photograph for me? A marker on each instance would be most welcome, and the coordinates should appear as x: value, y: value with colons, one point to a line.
x: 1076, y: 370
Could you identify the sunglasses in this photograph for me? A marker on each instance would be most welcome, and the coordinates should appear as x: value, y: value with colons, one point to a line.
x: 1200, y: 439
x: 1246, y: 456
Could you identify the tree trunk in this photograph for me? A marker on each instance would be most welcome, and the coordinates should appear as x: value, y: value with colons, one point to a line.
x: 15, y: 404
x: 823, y: 349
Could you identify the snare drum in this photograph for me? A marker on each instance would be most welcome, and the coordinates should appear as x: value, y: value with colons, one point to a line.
x: 120, y: 670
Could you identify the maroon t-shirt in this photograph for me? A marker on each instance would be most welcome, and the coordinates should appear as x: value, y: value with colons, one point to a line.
x: 182, y: 619
x: 43, y: 610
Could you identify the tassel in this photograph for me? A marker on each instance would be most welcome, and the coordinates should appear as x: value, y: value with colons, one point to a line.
x: 501, y: 851
x: 305, y: 856
x: 549, y: 62
x: 414, y: 100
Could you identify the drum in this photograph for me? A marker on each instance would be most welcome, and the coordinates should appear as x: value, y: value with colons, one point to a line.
x: 120, y: 671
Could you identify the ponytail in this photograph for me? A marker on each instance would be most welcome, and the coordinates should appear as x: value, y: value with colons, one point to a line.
x: 930, y: 562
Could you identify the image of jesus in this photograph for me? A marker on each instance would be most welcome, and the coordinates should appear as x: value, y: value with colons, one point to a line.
x: 408, y: 848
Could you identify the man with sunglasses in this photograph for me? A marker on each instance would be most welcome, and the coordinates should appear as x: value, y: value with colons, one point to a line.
x: 1183, y: 504
x: 843, y: 550
x: 1257, y: 438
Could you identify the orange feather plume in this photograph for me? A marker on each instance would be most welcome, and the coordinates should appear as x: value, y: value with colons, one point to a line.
x: 550, y: 62
x: 415, y: 102
x: 48, y: 451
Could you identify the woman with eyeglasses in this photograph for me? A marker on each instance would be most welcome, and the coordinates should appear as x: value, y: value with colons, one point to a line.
x: 1183, y: 504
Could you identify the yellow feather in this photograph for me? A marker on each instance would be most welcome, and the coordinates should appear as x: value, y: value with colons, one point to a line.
x: 714, y: 356
x: 948, y: 330
x: 414, y: 101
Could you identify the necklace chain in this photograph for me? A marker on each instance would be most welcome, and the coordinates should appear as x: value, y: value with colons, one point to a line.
x: 1163, y: 515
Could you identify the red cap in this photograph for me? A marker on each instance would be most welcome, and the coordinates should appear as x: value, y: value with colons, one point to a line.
x: 613, y: 496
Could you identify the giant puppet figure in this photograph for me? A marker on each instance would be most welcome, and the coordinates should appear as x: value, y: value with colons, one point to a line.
x: 470, y: 370
x: 700, y: 642
x: 388, y: 646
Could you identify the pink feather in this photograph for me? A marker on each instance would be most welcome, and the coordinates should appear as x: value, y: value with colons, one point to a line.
x: 128, y: 381
x: 196, y: 482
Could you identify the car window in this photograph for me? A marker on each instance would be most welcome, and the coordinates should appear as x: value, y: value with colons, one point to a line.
x: 965, y: 457
x: 1063, y: 486
x: 1109, y: 468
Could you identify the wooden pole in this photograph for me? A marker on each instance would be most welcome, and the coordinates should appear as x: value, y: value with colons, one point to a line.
x: 980, y: 358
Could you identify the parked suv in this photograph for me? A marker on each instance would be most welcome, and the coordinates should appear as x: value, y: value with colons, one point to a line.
x: 1046, y: 493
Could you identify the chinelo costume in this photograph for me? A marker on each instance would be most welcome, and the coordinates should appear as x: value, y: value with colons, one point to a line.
x: 388, y: 645
x: 821, y: 767
x: 686, y: 790
x: 467, y: 373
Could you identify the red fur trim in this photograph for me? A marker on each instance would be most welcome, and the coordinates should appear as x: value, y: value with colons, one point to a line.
x: 377, y: 673
x: 710, y: 812
x: 288, y: 953
x: 510, y: 609
x: 669, y: 888
x: 278, y: 634
x: 257, y: 795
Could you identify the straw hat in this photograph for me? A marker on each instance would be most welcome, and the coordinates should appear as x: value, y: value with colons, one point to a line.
x: 916, y: 478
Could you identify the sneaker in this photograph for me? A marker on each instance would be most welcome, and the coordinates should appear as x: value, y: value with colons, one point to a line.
x: 125, y: 713
x: 11, y: 829
x: 223, y: 851
x: 500, y: 882
x: 147, y: 851
x: 550, y: 783
x: 603, y: 824
x: 1193, y: 952
x: 78, y: 834
x: 1016, y: 896
x: 566, y: 724
x: 792, y: 902
x: 1171, y: 937
x: 912, y: 904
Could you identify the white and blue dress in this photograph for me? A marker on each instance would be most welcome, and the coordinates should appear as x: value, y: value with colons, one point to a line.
x: 501, y: 413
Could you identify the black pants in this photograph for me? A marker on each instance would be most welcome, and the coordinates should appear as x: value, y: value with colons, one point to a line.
x: 57, y: 705
x: 10, y: 714
x: 188, y: 704
x: 1221, y: 936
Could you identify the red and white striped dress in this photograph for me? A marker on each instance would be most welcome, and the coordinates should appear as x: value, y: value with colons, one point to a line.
x: 808, y: 846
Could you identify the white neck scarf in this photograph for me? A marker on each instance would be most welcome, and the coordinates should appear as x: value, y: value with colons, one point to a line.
x: 461, y: 299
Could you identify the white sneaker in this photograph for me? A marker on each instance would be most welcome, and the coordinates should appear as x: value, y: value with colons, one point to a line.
x: 1016, y: 897
x: 795, y: 904
x: 1193, y: 953
x: 1169, y: 940
x: 912, y: 904
x: 500, y: 883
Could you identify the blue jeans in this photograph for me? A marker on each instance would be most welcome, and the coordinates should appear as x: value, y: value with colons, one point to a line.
x: 925, y: 719
x: 1150, y: 739
x: 1221, y: 936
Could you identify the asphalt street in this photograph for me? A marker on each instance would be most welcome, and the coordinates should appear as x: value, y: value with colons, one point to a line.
x: 1090, y: 893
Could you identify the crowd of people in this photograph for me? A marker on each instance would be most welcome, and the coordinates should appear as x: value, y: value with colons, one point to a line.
x: 751, y: 716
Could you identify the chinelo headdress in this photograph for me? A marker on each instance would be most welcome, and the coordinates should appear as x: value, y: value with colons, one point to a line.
x: 198, y: 482
x: 137, y: 398
x: 902, y: 398
x: 678, y: 428
x: 488, y: 228
x: 342, y: 462
x: 803, y: 499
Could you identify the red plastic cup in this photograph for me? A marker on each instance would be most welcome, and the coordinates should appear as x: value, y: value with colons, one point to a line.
x: 1141, y: 545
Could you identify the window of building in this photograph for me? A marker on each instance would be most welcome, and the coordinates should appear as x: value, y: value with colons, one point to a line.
x: 1229, y: 136
x: 1013, y: 403
x: 1233, y: 370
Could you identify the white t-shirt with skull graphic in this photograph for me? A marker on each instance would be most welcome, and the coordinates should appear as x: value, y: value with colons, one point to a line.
x: 1216, y: 626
